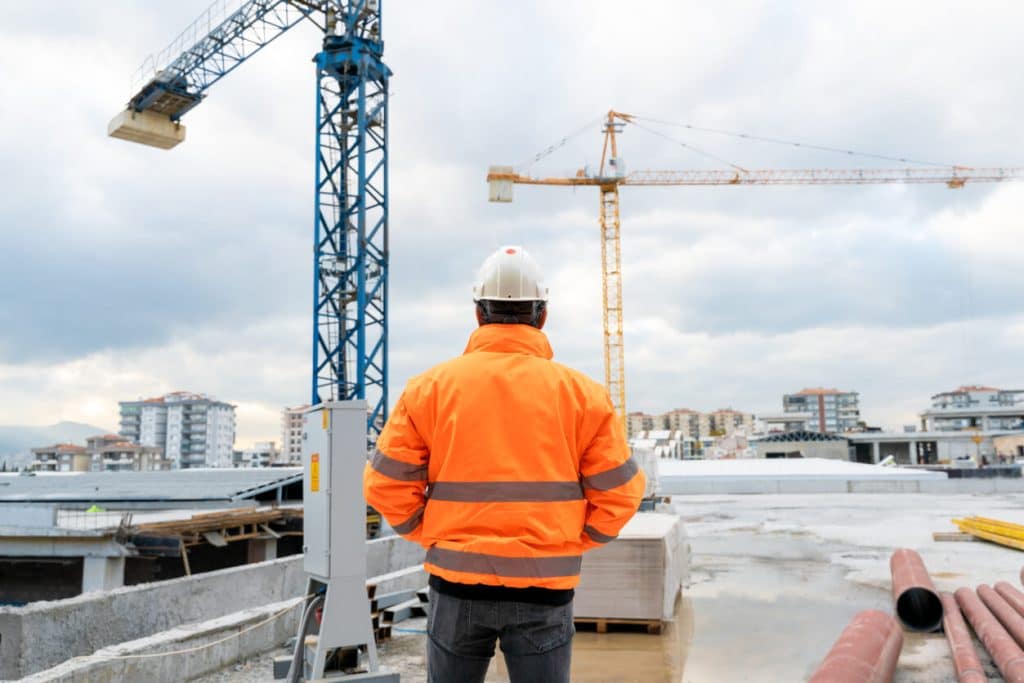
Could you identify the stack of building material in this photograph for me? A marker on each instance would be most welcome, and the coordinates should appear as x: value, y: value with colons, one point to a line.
x: 638, y: 575
x: 647, y: 459
x: 994, y: 530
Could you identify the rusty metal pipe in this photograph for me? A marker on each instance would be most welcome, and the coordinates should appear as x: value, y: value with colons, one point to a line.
x: 1005, y: 613
x: 1011, y: 595
x: 965, y: 659
x: 1008, y: 656
x: 917, y: 602
x: 866, y: 651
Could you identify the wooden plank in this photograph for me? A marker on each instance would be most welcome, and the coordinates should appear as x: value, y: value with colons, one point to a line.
x: 651, y: 626
x: 184, y: 559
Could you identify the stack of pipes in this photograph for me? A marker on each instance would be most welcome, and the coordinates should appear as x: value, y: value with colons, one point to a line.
x: 868, y: 649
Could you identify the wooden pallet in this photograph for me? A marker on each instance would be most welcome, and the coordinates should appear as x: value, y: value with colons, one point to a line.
x: 952, y: 536
x: 651, y: 626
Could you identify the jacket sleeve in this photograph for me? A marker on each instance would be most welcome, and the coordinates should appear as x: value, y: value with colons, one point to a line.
x: 395, y: 478
x: 613, y: 483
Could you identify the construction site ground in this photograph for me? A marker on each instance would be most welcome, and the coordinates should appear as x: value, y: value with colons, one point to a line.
x: 773, y: 581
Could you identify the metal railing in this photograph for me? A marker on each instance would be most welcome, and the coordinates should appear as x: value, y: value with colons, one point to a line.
x: 214, y: 15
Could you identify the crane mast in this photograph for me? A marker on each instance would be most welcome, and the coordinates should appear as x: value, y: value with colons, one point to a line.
x: 350, y: 231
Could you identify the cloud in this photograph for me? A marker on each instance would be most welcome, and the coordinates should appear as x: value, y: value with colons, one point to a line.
x: 132, y: 271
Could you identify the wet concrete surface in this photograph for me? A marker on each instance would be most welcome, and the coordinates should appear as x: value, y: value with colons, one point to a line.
x: 773, y: 581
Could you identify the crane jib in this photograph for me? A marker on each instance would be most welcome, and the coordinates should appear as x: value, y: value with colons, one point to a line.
x: 501, y: 179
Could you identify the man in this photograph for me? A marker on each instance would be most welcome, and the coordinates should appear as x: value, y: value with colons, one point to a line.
x: 506, y: 467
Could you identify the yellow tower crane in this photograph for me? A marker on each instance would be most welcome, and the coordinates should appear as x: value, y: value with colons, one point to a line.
x: 611, y: 175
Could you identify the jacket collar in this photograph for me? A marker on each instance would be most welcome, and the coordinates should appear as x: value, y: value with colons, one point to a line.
x: 498, y: 338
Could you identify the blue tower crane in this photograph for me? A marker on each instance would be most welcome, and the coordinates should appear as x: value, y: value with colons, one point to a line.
x: 350, y: 255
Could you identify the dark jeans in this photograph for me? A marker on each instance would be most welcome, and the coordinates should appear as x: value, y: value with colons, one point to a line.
x: 535, y: 639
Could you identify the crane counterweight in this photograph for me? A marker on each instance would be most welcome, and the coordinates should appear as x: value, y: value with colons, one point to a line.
x: 146, y: 128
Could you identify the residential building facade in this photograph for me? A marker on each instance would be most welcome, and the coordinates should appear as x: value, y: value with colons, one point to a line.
x: 194, y: 430
x: 689, y: 423
x: 975, y: 407
x: 781, y: 423
x: 291, y: 434
x: 112, y: 453
x: 832, y: 411
x: 727, y: 422
x: 61, y: 457
x: 262, y: 454
x: 638, y: 422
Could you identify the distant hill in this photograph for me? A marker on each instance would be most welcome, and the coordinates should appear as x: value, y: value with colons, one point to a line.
x: 17, y: 441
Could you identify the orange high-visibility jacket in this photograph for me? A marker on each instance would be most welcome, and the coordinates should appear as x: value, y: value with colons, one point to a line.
x: 505, y: 465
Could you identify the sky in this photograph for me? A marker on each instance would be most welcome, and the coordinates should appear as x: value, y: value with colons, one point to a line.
x: 130, y: 271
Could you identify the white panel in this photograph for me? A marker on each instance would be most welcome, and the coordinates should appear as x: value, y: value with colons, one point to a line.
x: 316, y: 496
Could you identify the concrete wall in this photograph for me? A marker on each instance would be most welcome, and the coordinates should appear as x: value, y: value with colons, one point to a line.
x: 43, y: 634
x: 833, y: 450
x: 192, y: 650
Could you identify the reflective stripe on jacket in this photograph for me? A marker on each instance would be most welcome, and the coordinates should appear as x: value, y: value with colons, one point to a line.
x: 505, y: 465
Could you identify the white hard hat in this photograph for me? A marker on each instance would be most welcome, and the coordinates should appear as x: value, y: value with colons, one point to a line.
x: 510, y: 274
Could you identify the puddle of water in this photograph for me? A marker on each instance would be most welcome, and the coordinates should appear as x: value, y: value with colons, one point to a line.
x: 624, y: 657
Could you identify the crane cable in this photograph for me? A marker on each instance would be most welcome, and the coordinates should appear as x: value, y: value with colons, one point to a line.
x: 690, y: 147
x: 550, y: 149
x: 791, y: 143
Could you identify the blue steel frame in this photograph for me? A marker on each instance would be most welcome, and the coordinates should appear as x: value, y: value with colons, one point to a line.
x: 350, y: 262
x: 350, y: 331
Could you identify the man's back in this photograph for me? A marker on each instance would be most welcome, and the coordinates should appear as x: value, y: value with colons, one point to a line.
x: 509, y: 439
x: 506, y: 466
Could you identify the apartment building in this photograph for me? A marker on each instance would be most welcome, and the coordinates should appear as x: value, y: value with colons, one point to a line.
x: 689, y: 423
x: 194, y: 430
x: 727, y: 422
x: 975, y: 407
x: 61, y: 457
x: 111, y: 453
x: 262, y: 454
x: 638, y: 422
x: 291, y: 434
x: 831, y: 411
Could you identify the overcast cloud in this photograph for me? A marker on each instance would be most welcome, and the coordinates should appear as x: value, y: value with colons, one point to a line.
x: 131, y: 271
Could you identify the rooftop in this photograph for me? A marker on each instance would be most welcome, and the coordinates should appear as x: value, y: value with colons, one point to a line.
x: 60, y: 448
x: 175, y: 485
x: 785, y: 468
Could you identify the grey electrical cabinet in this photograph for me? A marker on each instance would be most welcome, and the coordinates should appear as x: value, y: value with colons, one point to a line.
x: 334, y: 517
